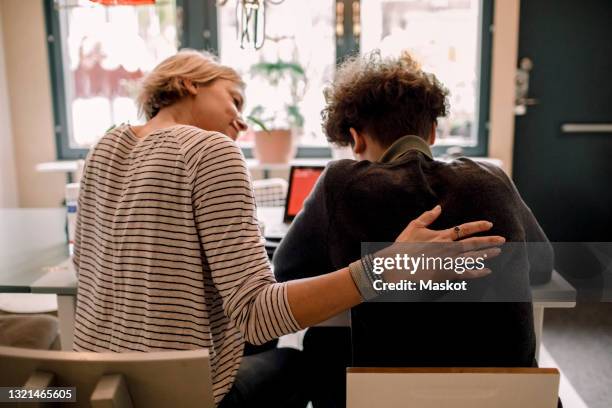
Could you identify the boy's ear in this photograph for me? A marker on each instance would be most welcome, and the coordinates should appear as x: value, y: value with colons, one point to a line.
x: 359, y: 142
x: 432, y: 134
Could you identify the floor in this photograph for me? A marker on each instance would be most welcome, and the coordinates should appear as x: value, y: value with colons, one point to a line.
x: 579, y: 342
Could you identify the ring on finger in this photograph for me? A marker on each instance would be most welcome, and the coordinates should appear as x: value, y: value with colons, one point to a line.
x: 457, y: 230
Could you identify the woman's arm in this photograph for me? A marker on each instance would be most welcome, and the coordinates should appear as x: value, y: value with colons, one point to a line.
x: 313, y: 300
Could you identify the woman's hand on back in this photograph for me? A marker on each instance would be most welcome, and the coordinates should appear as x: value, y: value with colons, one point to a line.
x: 432, y: 243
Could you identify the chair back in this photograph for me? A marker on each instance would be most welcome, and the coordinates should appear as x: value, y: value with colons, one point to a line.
x: 270, y: 192
x: 452, y: 387
x: 151, y: 379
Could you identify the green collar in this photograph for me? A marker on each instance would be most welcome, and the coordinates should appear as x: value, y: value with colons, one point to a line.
x: 402, y: 146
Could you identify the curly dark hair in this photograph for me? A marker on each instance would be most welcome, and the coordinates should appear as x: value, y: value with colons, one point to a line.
x: 384, y: 97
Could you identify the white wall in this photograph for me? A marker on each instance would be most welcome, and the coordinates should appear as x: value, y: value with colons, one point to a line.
x: 31, y: 111
x: 8, y: 173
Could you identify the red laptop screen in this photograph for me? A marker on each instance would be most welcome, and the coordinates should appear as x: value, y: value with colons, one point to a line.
x: 301, y: 184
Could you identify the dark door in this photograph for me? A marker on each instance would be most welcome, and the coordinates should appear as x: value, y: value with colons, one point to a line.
x: 566, y: 176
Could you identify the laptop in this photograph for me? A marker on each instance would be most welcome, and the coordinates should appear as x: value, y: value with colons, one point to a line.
x: 302, y: 180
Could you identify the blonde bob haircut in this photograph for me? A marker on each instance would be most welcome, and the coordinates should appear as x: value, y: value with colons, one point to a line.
x: 165, y: 85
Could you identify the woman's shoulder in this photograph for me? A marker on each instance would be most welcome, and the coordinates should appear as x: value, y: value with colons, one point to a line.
x: 112, y: 137
x: 193, y: 138
x: 200, y: 146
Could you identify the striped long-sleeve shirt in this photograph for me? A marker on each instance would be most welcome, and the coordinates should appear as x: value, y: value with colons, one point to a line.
x: 169, y: 253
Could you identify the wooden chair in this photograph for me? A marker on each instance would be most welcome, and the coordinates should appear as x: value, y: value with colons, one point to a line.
x: 452, y: 387
x: 114, y: 380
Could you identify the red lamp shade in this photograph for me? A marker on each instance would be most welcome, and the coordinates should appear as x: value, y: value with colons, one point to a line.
x: 123, y: 2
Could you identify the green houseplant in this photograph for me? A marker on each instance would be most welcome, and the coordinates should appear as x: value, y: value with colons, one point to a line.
x: 277, y: 117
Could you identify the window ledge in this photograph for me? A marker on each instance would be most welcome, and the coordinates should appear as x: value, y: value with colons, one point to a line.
x: 59, y: 166
x: 254, y: 164
x: 72, y: 166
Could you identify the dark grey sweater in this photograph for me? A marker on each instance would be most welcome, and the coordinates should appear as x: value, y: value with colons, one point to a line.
x: 361, y: 201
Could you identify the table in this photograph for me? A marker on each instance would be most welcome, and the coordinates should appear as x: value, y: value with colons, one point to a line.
x: 30, y: 239
x: 32, y: 245
x: 33, y: 259
x: 557, y: 293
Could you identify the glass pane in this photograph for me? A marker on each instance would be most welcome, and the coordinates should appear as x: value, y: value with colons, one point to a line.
x: 105, y: 51
x: 443, y: 35
x: 300, y: 35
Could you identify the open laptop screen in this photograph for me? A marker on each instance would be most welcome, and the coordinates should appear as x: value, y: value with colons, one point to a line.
x: 302, y: 180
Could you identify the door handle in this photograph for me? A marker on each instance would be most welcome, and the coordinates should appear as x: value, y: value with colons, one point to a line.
x: 586, y: 128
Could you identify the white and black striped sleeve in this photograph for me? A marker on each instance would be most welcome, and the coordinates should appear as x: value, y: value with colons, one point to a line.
x: 225, y: 217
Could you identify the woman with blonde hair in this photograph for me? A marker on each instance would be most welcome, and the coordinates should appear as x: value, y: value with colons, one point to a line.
x: 168, y: 250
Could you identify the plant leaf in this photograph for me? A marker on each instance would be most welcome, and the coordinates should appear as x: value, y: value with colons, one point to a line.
x: 258, y: 123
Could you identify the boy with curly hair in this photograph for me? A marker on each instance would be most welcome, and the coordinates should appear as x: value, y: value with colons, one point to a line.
x: 387, y: 111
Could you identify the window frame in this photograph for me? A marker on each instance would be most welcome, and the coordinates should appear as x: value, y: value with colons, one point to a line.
x: 198, y: 25
x: 56, y: 69
x: 198, y: 30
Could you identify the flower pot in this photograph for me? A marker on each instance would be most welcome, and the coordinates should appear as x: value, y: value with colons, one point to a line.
x: 274, y: 146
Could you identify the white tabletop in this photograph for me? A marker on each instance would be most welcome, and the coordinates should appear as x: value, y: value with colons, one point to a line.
x: 31, y: 240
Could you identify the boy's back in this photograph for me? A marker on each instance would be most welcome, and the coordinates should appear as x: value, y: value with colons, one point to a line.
x: 369, y: 202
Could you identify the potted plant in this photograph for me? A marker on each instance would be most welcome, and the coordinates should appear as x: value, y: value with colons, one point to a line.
x: 277, y: 118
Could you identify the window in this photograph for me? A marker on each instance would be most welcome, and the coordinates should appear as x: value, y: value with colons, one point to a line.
x: 450, y: 38
x: 102, y: 54
x: 286, y: 75
x: 98, y: 53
